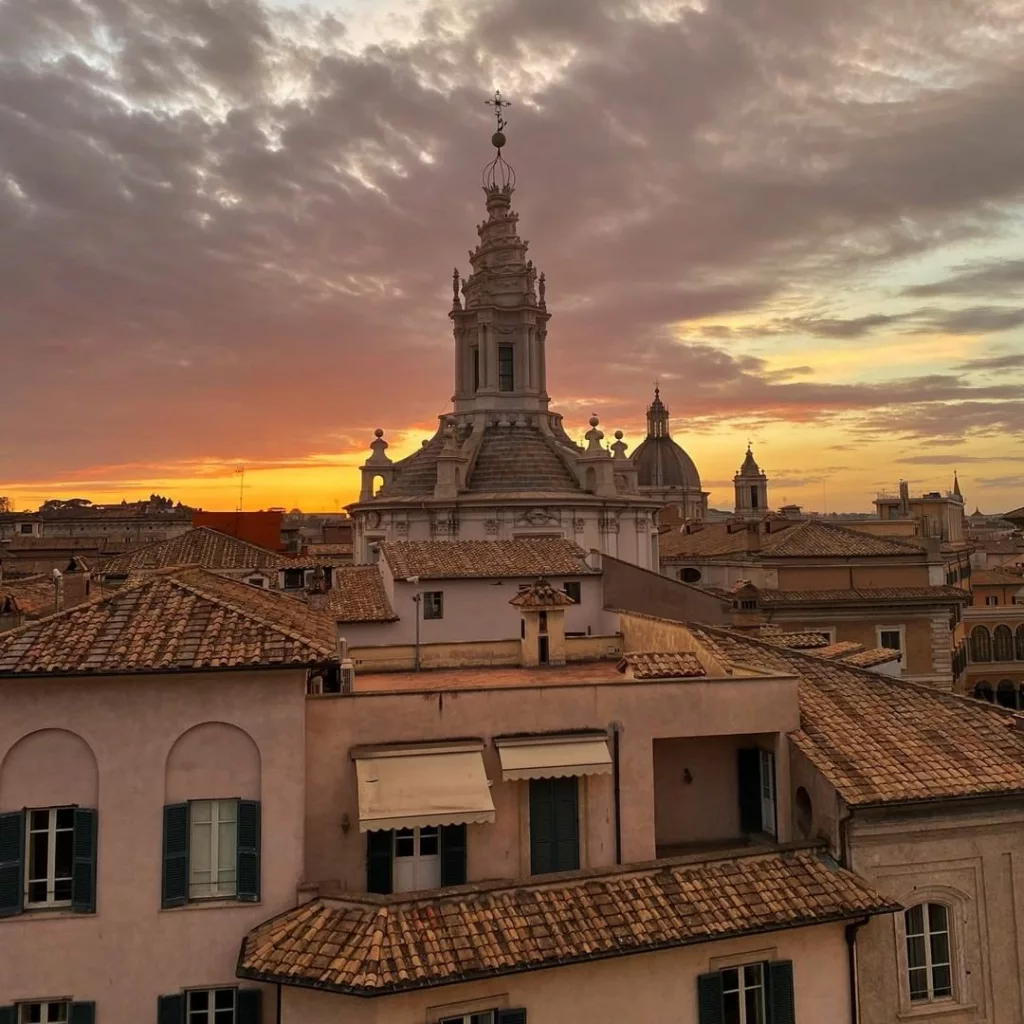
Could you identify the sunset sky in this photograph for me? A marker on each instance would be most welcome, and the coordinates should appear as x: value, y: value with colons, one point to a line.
x: 227, y: 232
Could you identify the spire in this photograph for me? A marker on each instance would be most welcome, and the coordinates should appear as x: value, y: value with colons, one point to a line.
x: 657, y: 416
x: 750, y: 466
x: 956, y: 485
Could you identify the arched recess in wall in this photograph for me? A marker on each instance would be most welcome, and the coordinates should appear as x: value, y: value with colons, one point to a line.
x: 49, y: 768
x: 980, y: 644
x: 212, y: 761
x: 1002, y: 644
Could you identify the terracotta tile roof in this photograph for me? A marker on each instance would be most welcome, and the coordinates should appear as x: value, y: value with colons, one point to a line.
x: 485, y: 677
x: 661, y: 665
x: 329, y: 549
x: 452, y: 559
x: 199, y: 546
x: 184, y: 619
x: 376, y: 945
x: 872, y: 658
x: 866, y: 595
x: 839, y: 651
x: 797, y: 641
x: 33, y: 595
x: 996, y: 578
x: 541, y: 595
x: 808, y: 539
x: 883, y: 740
x: 358, y: 595
x: 26, y: 544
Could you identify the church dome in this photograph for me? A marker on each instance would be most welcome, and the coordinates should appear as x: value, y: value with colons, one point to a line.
x: 659, y: 461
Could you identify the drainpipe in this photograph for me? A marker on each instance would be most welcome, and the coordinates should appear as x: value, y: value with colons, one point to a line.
x: 616, y: 779
x: 279, y: 1003
x: 851, y: 950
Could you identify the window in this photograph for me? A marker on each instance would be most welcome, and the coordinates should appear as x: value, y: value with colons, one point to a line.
x: 991, y: 600
x: 48, y: 860
x: 574, y: 589
x: 411, y: 859
x: 417, y: 863
x: 748, y: 604
x: 755, y: 497
x: 981, y: 644
x: 690, y: 574
x: 211, y: 851
x: 54, y: 1011
x: 26, y: 527
x: 225, y: 1005
x: 890, y: 637
x: 294, y: 579
x: 1002, y: 644
x: 433, y: 604
x: 757, y: 790
x: 476, y: 369
x: 1018, y: 643
x: 506, y: 367
x: 554, y: 825
x: 212, y: 848
x: 929, y: 964
x: 760, y: 993
x: 257, y: 581
x: 516, y: 1016
x: 1006, y: 694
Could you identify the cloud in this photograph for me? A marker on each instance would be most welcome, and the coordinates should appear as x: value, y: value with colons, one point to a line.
x: 991, y: 277
x: 1010, y: 361
x: 229, y: 230
x: 954, y: 459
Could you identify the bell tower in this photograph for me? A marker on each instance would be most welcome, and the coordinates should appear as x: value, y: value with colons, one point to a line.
x: 499, y: 313
x: 751, y: 484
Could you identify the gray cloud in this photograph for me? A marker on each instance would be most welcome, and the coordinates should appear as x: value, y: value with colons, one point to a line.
x: 990, y: 277
x: 217, y: 217
x: 1010, y: 361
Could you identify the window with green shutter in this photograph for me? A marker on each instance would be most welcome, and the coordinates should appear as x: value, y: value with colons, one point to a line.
x: 226, y: 1005
x: 55, y: 1011
x: 211, y: 850
x: 757, y: 993
x: 554, y: 825
x: 415, y: 858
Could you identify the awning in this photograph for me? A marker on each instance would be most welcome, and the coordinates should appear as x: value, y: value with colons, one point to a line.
x: 545, y: 757
x: 409, y: 787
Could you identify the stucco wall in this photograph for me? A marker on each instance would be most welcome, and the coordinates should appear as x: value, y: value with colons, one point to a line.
x: 336, y: 723
x: 649, y: 988
x: 126, y: 746
x: 972, y: 858
x: 631, y: 588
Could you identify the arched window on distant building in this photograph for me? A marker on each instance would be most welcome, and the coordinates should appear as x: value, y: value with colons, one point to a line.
x: 983, y: 691
x: 1002, y: 644
x: 981, y: 644
x: 1006, y: 694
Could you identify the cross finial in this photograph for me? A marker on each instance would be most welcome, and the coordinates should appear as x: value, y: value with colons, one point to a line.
x: 499, y: 105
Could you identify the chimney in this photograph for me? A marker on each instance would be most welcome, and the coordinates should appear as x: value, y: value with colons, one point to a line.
x: 753, y: 536
x: 904, y: 499
x: 58, y: 590
x: 348, y: 671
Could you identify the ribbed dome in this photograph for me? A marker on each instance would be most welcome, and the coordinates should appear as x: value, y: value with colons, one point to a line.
x: 660, y: 462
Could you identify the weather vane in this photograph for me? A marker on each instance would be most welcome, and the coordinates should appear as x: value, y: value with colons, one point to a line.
x: 499, y: 105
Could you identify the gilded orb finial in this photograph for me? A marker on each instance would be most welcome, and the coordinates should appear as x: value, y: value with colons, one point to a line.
x: 498, y: 175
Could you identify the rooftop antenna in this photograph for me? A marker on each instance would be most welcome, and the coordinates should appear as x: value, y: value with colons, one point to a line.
x: 240, y: 473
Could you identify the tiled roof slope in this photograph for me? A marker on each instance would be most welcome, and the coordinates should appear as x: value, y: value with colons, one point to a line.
x: 199, y: 546
x: 358, y: 595
x: 866, y: 595
x: 662, y: 665
x: 808, y: 539
x: 375, y: 945
x: 519, y: 459
x: 186, y: 619
x: 881, y: 740
x: 541, y: 595
x: 996, y: 578
x: 34, y: 595
x: 451, y: 559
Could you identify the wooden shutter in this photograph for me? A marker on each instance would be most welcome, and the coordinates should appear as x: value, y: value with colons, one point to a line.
x: 514, y: 1016
x: 83, y: 871
x: 170, y: 1009
x: 453, y: 854
x: 710, y: 1007
x: 174, y: 891
x: 249, y: 1006
x: 248, y: 851
x: 554, y: 825
x: 781, y: 1003
x: 542, y: 827
x: 378, y: 861
x: 12, y: 859
x: 8, y: 1015
x: 83, y: 1013
x: 749, y: 787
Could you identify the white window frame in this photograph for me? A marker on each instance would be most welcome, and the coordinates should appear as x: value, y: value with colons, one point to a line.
x: 51, y: 858
x: 902, y: 630
x: 257, y: 581
x: 742, y: 987
x: 929, y: 967
x: 52, y: 1011
x: 218, y: 890
x: 991, y: 600
x: 440, y: 605
x: 208, y: 1016
x: 424, y: 869
x: 489, y: 1016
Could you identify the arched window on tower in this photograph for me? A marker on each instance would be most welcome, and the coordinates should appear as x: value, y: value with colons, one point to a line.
x: 981, y: 644
x: 1018, y: 643
x: 1002, y: 644
x: 983, y: 691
